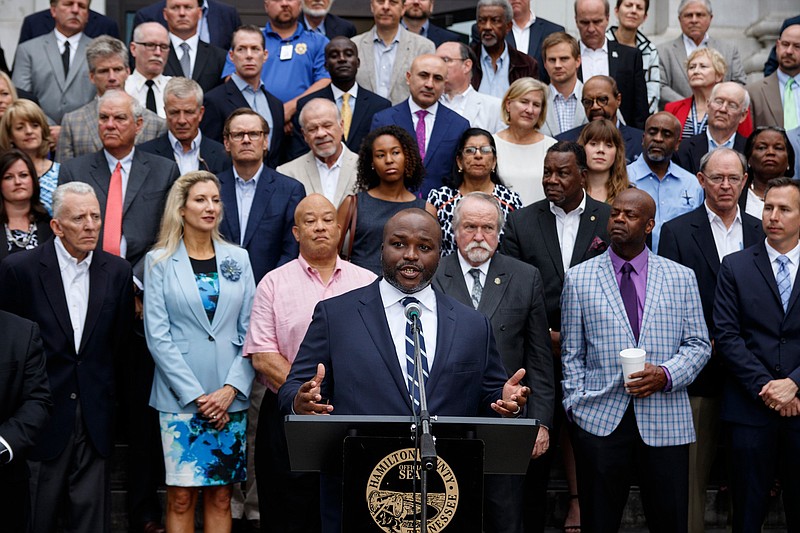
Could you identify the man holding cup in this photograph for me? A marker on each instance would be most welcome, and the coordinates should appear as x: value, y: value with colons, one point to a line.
x: 630, y: 298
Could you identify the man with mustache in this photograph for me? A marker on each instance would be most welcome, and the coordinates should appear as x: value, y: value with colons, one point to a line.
x: 674, y: 190
x: 330, y: 167
x: 510, y: 293
x: 150, y: 48
x: 367, y: 351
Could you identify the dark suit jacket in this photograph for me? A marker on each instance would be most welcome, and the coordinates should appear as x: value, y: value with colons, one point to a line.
x: 688, y: 240
x: 25, y: 403
x: 335, y: 26
x: 268, y: 237
x: 30, y: 286
x: 692, y: 150
x: 632, y: 137
x: 441, y: 152
x: 440, y: 35
x: 625, y: 66
x: 150, y: 180
x: 361, y: 362
x: 222, y: 20
x: 224, y: 100
x: 368, y: 105
x: 43, y: 233
x: 207, y: 65
x: 519, y: 66
x: 513, y: 301
x: 753, y: 335
x: 42, y: 22
x: 531, y: 236
x: 213, y: 156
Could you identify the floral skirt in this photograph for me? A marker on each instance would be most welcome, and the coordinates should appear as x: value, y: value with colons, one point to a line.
x: 197, y: 455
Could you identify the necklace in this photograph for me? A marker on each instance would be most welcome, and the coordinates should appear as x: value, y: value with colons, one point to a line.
x: 21, y: 239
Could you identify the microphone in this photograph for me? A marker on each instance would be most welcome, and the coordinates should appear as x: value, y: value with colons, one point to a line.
x: 413, y: 310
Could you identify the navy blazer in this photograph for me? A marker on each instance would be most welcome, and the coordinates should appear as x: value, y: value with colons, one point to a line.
x: 688, y: 240
x: 213, y: 156
x: 368, y: 104
x: 632, y: 137
x: 222, y: 20
x: 440, y: 35
x: 268, y: 237
x: 207, y: 69
x: 224, y: 100
x: 31, y: 287
x: 692, y: 150
x: 335, y: 26
x: 441, y: 153
x: 42, y: 22
x: 757, y: 340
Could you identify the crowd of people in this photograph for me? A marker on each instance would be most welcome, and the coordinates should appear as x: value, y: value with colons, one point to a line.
x: 219, y: 224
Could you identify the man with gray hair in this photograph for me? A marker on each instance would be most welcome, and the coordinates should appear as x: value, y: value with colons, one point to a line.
x: 330, y: 167
x: 499, y: 64
x: 82, y: 299
x: 183, y: 143
x: 694, y: 17
x: 495, y: 284
x: 107, y: 59
x: 150, y: 48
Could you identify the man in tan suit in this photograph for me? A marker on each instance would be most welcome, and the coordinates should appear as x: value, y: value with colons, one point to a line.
x: 768, y: 96
x: 330, y: 167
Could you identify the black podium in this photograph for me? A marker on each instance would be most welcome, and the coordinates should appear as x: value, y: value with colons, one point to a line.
x: 376, y: 458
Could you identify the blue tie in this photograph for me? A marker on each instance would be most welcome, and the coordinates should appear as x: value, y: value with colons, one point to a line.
x: 413, y: 385
x: 784, y: 282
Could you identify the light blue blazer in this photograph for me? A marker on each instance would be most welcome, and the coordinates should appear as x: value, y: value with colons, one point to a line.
x: 194, y: 357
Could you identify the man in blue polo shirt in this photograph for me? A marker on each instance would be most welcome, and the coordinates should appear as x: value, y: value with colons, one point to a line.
x: 296, y: 63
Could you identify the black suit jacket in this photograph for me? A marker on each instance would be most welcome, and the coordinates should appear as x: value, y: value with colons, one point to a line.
x: 207, y: 69
x: 335, y: 26
x: 692, y: 150
x: 213, y: 156
x: 625, y: 66
x: 513, y: 301
x: 25, y: 403
x: 43, y: 234
x: 688, y: 240
x: 440, y: 35
x: 632, y: 137
x: 368, y: 104
x: 531, y: 235
x: 42, y: 22
x: 222, y: 20
x: 224, y: 100
x: 30, y: 286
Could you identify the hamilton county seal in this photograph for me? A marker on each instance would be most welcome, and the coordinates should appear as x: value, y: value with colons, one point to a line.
x: 301, y: 48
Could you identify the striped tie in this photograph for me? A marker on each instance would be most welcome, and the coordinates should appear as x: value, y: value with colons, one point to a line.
x: 784, y: 282
x: 413, y: 384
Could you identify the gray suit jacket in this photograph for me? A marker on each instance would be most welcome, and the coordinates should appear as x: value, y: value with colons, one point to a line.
x: 794, y: 138
x: 38, y: 70
x: 550, y: 126
x: 672, y: 64
x: 79, y: 135
x: 304, y: 170
x: 149, y: 182
x: 765, y: 102
x: 513, y: 301
x: 409, y: 47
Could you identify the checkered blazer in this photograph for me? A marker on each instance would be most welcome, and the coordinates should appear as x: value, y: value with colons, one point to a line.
x: 595, y: 328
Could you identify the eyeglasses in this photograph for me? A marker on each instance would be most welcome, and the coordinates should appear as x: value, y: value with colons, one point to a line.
x: 449, y: 60
x: 252, y: 135
x: 733, y: 180
x: 150, y: 47
x: 719, y: 103
x: 472, y: 150
x: 600, y: 100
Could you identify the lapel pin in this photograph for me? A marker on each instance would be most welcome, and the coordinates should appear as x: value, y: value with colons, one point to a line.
x: 592, y: 218
x: 497, y: 281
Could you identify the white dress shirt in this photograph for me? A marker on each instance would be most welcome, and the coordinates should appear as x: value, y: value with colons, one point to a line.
x: 567, y: 228
x: 794, y: 260
x: 466, y: 267
x: 125, y: 164
x: 187, y: 161
x: 329, y: 177
x: 75, y: 278
x: 245, y: 192
x: 74, y: 42
x: 135, y: 86
x: 594, y: 62
x: 396, y: 318
x: 430, y: 118
x: 522, y: 35
x: 728, y: 240
x: 755, y: 205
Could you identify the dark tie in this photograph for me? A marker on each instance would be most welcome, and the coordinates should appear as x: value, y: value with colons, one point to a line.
x: 629, y: 297
x: 413, y: 385
x: 477, y: 288
x: 65, y: 59
x: 150, y: 103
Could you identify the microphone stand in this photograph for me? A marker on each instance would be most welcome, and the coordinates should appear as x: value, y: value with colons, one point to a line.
x: 425, y: 441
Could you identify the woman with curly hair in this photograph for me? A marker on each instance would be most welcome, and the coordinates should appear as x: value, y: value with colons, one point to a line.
x: 474, y: 170
x: 389, y: 168
x: 605, y: 157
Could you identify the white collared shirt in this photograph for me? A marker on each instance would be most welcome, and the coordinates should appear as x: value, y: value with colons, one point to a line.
x: 245, y: 192
x: 466, y: 267
x: 690, y: 46
x: 187, y: 161
x: 728, y: 240
x: 794, y: 260
x: 337, y: 97
x: 136, y: 86
x: 193, y: 45
x: 74, y: 42
x: 329, y: 177
x: 430, y: 118
x: 522, y: 34
x: 567, y: 228
x: 594, y: 62
x: 75, y: 278
x: 396, y: 318
x: 125, y: 164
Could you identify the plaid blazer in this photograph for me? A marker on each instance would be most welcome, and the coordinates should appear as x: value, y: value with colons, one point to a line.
x: 79, y: 135
x: 595, y: 328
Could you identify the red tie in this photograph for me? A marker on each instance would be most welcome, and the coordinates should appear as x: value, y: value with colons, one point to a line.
x: 112, y: 233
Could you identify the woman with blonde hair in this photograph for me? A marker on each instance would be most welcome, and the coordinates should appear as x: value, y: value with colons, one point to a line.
x: 8, y: 93
x: 24, y: 127
x: 521, y: 147
x: 197, y: 299
x: 605, y: 158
